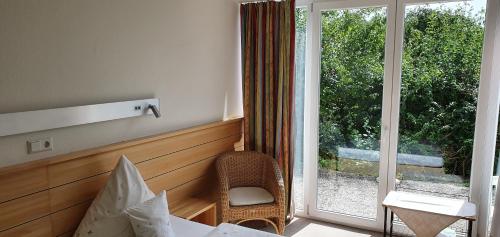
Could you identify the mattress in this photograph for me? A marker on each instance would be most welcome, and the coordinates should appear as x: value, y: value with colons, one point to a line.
x: 185, y: 228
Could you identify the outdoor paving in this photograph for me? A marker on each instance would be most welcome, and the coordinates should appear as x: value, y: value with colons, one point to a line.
x: 356, y: 195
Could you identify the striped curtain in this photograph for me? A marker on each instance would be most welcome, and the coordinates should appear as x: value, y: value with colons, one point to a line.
x: 268, y: 56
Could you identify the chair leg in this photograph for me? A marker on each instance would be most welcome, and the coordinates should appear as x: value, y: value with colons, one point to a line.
x: 273, y: 221
x: 281, y: 226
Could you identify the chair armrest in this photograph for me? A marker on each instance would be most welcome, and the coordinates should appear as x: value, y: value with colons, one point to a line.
x: 274, y: 182
x: 223, y: 184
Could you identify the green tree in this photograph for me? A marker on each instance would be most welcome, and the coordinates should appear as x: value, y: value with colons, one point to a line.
x: 352, y: 74
x: 441, y: 66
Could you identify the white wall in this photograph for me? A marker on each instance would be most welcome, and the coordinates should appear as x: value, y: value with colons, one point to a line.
x: 58, y: 53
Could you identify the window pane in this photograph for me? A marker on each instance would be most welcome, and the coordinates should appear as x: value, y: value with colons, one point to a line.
x: 351, y: 87
x: 301, y: 15
x: 439, y: 84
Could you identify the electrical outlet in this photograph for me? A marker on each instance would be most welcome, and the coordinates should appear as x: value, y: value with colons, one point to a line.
x: 44, y: 144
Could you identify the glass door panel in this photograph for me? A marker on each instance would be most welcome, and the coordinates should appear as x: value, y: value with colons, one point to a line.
x: 441, y: 63
x: 350, y: 110
x: 301, y: 15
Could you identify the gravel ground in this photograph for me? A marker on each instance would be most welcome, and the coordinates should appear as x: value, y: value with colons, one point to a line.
x: 355, y: 195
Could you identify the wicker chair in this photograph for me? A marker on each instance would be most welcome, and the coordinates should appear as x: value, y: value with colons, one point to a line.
x: 251, y: 169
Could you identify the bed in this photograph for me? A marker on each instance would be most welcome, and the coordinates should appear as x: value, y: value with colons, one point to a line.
x: 185, y: 228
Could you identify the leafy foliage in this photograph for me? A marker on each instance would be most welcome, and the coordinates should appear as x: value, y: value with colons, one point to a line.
x: 440, y: 76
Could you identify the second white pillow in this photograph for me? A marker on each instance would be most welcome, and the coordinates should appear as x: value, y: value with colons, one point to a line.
x: 151, y: 218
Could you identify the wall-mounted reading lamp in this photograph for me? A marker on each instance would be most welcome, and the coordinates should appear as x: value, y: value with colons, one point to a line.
x: 155, y: 110
x: 32, y: 121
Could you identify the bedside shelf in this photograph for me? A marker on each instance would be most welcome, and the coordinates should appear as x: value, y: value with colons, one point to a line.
x: 196, y: 209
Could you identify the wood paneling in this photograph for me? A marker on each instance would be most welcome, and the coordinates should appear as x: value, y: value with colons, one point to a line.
x: 49, y: 197
x: 193, y: 187
x: 162, y: 173
x: 182, y: 158
x: 97, y: 164
x: 67, y: 234
x: 77, y: 192
x: 78, y: 169
x: 24, y: 209
x: 37, y: 228
x: 181, y: 176
x: 17, y: 184
x: 68, y: 219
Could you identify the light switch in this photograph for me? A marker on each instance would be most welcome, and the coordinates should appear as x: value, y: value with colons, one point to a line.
x: 44, y: 144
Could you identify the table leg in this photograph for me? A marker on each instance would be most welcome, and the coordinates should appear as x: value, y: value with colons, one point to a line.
x: 385, y: 221
x: 469, y: 230
x: 392, y: 220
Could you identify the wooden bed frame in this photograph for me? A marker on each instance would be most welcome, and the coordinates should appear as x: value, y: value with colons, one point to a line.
x: 49, y: 197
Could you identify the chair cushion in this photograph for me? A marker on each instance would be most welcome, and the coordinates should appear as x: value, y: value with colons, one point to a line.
x: 244, y: 196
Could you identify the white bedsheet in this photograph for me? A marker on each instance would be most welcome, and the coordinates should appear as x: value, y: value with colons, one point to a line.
x: 230, y: 230
x: 185, y: 228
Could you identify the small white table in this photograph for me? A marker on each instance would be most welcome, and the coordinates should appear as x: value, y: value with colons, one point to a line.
x: 426, y: 215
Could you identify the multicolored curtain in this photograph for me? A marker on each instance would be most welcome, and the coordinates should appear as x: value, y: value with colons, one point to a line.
x: 268, y: 56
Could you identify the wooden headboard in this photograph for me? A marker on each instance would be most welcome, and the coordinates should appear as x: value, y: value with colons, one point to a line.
x: 49, y: 197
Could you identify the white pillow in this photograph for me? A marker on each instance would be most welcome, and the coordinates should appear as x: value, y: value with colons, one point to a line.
x: 151, y: 218
x: 106, y: 216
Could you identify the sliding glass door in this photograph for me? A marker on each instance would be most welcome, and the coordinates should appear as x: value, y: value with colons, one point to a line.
x: 391, y: 103
x: 439, y: 80
x: 354, y: 72
x: 351, y: 88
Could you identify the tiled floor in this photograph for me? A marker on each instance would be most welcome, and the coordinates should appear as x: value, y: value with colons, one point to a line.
x: 302, y: 227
